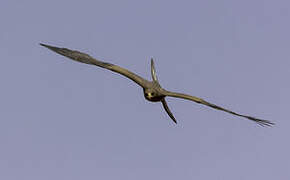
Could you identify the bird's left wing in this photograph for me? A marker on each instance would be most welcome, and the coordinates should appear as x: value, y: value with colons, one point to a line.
x: 87, y: 59
x: 201, y: 101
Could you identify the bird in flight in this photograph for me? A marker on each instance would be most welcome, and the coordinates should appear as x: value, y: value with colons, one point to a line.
x: 152, y: 89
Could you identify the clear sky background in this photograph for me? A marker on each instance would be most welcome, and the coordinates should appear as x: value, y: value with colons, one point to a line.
x: 64, y: 120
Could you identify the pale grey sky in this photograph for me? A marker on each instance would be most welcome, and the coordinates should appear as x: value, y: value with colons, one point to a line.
x: 65, y: 120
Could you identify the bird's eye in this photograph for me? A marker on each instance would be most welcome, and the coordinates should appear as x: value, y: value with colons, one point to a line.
x: 152, y: 94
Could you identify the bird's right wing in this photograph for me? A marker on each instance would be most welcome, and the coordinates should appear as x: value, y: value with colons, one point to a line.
x: 85, y: 58
x: 201, y: 101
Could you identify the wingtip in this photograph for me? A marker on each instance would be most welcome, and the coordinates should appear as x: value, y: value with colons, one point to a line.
x: 262, y: 122
x: 53, y: 48
x: 266, y: 123
x: 45, y: 45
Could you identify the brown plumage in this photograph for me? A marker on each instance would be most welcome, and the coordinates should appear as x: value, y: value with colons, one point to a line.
x: 151, y: 89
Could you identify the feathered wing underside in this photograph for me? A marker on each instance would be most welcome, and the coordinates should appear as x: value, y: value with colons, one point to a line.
x: 201, y: 101
x: 168, y: 110
x: 87, y: 59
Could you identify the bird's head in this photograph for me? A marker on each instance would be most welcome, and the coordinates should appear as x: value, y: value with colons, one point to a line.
x: 153, y: 95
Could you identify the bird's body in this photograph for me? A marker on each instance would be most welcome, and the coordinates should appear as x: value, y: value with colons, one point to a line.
x: 152, y: 89
x: 153, y: 93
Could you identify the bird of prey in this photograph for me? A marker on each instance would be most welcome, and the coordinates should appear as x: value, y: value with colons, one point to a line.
x: 152, y: 89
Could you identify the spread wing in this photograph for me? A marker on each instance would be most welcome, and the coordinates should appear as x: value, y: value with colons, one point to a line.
x: 201, y: 101
x: 87, y: 59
